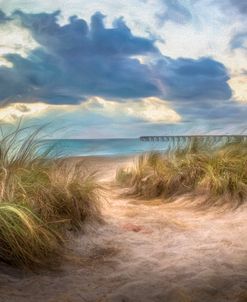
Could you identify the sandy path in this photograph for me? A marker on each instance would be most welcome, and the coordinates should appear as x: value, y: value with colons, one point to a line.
x: 145, y: 253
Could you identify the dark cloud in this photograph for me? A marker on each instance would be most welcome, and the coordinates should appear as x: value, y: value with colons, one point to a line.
x: 241, y: 5
x: 175, y: 11
x: 201, y: 80
x: 78, y: 60
x: 3, y: 17
x: 77, y: 36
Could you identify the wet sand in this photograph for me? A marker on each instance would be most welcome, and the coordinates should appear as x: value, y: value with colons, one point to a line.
x: 145, y: 252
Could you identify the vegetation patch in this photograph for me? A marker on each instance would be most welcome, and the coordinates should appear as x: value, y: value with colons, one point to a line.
x: 41, y: 199
x: 198, y: 166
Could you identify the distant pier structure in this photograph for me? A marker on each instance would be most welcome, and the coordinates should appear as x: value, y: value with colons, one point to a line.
x: 216, y: 137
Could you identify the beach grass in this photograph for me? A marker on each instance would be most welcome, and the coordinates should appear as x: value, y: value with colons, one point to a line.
x: 199, y: 167
x: 69, y: 194
x: 25, y: 240
x: 41, y: 199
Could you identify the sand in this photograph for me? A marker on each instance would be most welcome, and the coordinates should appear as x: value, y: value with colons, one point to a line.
x: 144, y: 252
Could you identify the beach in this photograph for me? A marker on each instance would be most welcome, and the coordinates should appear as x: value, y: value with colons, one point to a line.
x: 146, y: 251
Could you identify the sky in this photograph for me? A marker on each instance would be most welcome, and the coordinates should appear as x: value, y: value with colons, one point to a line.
x: 101, y: 69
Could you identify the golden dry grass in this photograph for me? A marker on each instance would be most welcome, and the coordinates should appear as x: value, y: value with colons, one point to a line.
x: 40, y: 199
x: 218, y: 171
x: 25, y: 240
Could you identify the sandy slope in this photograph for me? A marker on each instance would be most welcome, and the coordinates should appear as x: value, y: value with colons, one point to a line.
x: 144, y: 253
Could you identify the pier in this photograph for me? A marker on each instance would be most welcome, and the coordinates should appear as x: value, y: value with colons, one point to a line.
x: 216, y: 137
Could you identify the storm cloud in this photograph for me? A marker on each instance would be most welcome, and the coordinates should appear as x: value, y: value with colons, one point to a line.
x: 241, y: 5
x: 188, y: 79
x: 78, y: 60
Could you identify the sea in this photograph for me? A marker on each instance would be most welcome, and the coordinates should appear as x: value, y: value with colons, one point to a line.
x: 102, y: 147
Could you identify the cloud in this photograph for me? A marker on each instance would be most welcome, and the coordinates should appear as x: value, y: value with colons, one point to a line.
x: 241, y: 5
x: 96, y: 40
x: 188, y: 79
x: 14, y: 112
x: 14, y: 40
x: 3, y: 17
x: 239, y: 87
x: 239, y: 41
x: 151, y: 109
x: 217, y: 116
x: 175, y: 11
x: 75, y: 61
x: 98, y: 117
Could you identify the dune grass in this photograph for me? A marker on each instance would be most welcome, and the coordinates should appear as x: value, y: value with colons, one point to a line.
x: 41, y: 199
x: 66, y: 193
x: 215, y: 170
x: 25, y: 240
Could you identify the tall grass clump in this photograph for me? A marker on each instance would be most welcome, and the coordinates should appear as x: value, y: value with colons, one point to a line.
x: 40, y: 197
x: 25, y: 240
x: 69, y: 194
x: 215, y: 170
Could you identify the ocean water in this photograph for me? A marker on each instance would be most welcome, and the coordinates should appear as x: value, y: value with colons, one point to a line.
x: 102, y: 147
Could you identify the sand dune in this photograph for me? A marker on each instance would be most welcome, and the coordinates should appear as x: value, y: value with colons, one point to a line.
x: 144, y: 252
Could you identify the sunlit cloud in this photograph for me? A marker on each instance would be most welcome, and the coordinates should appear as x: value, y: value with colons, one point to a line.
x: 239, y: 87
x: 14, y: 112
x: 152, y: 110
x: 15, y: 40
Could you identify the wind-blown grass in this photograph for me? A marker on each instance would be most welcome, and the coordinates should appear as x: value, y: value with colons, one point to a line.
x: 217, y: 171
x: 25, y: 240
x: 67, y: 193
x: 40, y: 197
